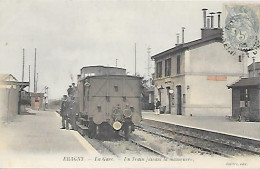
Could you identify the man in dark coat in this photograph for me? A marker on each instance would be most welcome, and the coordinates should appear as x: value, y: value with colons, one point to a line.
x: 65, y: 112
x: 73, y: 113
x: 70, y: 91
x: 74, y: 90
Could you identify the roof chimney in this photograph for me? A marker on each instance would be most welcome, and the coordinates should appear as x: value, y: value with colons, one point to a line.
x: 208, y: 21
x: 218, y: 19
x: 212, y: 19
x: 182, y: 34
x: 209, y: 30
x: 204, y: 16
x: 178, y: 38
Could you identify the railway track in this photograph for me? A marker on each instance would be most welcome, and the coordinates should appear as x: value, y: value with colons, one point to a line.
x: 220, y: 148
x: 145, y: 146
x: 101, y: 147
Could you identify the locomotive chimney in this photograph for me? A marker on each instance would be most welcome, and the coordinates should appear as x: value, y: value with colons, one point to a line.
x: 182, y: 34
x: 204, y: 16
x: 212, y: 19
x: 218, y: 19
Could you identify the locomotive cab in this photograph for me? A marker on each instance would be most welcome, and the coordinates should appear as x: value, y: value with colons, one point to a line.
x: 109, y: 100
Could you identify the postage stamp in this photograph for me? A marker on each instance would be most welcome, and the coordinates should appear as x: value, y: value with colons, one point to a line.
x: 242, y: 27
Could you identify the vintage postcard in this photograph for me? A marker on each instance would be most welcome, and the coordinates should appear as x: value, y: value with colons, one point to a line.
x: 129, y: 84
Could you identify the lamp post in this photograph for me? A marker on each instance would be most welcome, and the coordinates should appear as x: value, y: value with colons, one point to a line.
x: 253, y: 65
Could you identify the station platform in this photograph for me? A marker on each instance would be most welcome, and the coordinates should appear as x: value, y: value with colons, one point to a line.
x: 223, y: 125
x: 35, y: 139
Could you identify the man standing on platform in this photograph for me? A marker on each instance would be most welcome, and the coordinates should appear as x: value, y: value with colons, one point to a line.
x: 64, y: 112
x: 73, y: 111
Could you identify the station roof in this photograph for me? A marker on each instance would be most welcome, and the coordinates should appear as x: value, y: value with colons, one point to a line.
x: 21, y: 84
x: 257, y: 66
x: 252, y: 81
x: 187, y: 45
x: 7, y: 77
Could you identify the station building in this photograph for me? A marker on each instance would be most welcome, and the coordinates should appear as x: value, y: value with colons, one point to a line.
x: 246, y: 99
x: 12, y: 96
x: 246, y: 96
x: 191, y: 78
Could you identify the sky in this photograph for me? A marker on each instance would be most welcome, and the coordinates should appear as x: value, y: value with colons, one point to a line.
x: 71, y: 34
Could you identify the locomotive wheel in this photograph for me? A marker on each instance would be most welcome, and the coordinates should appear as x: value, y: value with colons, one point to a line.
x: 117, y: 134
x: 97, y: 130
x: 126, y: 132
x: 91, y: 130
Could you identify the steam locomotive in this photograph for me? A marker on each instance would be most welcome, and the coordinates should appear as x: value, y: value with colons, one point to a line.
x: 108, y: 101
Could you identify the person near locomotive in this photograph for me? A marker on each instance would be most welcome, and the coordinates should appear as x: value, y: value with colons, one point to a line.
x: 69, y: 90
x: 72, y: 114
x: 65, y: 112
x: 73, y: 90
x: 157, y: 106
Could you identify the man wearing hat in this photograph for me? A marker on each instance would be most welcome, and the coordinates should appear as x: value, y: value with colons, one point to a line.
x: 70, y: 91
x: 64, y: 112
x: 73, y: 113
x: 74, y: 90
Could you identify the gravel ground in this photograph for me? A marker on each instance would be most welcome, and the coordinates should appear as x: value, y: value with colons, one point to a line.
x: 169, y: 147
x: 121, y: 149
x: 237, y: 152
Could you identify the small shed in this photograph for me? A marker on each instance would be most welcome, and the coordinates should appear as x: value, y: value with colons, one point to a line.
x: 37, y: 101
x: 10, y: 96
x: 246, y: 99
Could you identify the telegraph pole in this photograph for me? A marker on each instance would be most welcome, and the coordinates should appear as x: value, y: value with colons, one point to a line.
x: 23, y: 67
x: 34, y: 86
x: 135, y: 59
x: 253, y: 66
x: 29, y: 77
x: 148, y: 64
x: 36, y: 83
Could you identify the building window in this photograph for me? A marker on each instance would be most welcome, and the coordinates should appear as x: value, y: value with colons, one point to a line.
x: 116, y: 88
x: 240, y: 58
x: 159, y: 69
x: 168, y: 67
x: 184, y: 98
x: 178, y: 64
x: 244, y: 97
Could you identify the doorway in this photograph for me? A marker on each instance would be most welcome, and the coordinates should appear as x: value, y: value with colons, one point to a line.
x: 169, y: 99
x: 179, y: 99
